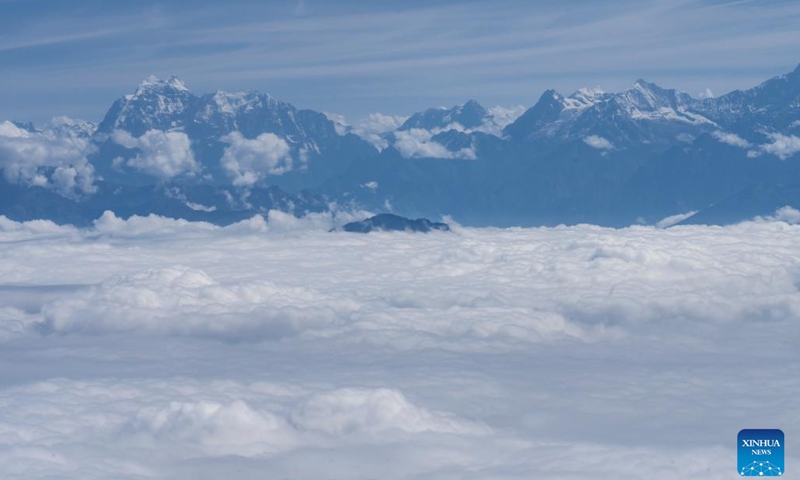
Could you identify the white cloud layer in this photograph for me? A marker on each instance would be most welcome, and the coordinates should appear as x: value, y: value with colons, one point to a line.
x: 158, y: 348
x: 249, y: 160
x: 163, y: 155
x: 54, y: 159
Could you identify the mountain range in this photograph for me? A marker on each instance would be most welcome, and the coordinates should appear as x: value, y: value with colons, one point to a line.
x: 615, y: 159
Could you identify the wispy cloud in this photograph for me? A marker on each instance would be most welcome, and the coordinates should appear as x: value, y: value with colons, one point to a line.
x: 500, y: 53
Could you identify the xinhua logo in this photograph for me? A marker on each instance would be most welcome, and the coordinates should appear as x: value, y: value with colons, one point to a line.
x: 761, y: 453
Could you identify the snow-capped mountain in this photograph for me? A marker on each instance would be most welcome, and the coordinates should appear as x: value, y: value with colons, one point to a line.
x: 647, y: 113
x: 773, y: 106
x: 253, y: 113
x: 592, y: 156
x: 644, y: 113
x: 156, y: 105
x: 447, y: 133
x: 65, y: 126
x: 163, y: 130
x: 470, y: 115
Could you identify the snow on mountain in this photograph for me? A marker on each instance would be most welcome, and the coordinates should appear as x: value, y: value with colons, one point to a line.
x: 583, y: 98
x: 648, y: 101
x: 420, y: 135
x: 156, y: 105
x: 469, y: 116
x: 774, y: 105
x: 649, y: 113
x: 643, y: 113
x: 167, y: 109
x: 592, y: 155
x: 72, y: 127
x: 251, y: 113
x: 173, y: 82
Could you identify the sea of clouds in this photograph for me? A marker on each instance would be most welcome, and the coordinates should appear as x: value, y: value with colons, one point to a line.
x: 158, y: 348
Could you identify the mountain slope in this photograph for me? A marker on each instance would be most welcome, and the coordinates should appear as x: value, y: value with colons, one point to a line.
x: 280, y: 144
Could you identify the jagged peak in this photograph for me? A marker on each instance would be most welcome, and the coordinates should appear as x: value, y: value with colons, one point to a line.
x: 584, y: 97
x: 589, y: 92
x: 468, y: 105
x: 655, y: 90
x: 642, y: 84
x: 69, y: 121
x: 648, y: 94
x: 468, y: 115
x: 794, y: 75
x: 472, y: 104
x: 154, y: 83
x: 790, y: 77
x: 232, y: 101
x: 549, y: 95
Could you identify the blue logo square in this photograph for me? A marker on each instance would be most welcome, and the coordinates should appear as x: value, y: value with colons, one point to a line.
x: 761, y: 453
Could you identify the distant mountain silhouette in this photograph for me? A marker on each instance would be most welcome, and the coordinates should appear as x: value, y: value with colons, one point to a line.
x: 396, y: 223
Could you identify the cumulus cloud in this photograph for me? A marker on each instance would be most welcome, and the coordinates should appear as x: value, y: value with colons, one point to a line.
x: 249, y: 160
x: 54, y: 159
x: 782, y: 146
x: 375, y: 127
x: 731, y: 139
x: 373, y: 411
x: 598, y: 142
x: 180, y: 300
x: 110, y: 225
x: 784, y: 214
x: 212, y: 419
x: 218, y: 429
x: 163, y: 155
x: 419, y: 143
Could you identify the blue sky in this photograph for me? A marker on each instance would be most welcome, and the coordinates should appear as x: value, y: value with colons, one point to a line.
x: 355, y: 57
